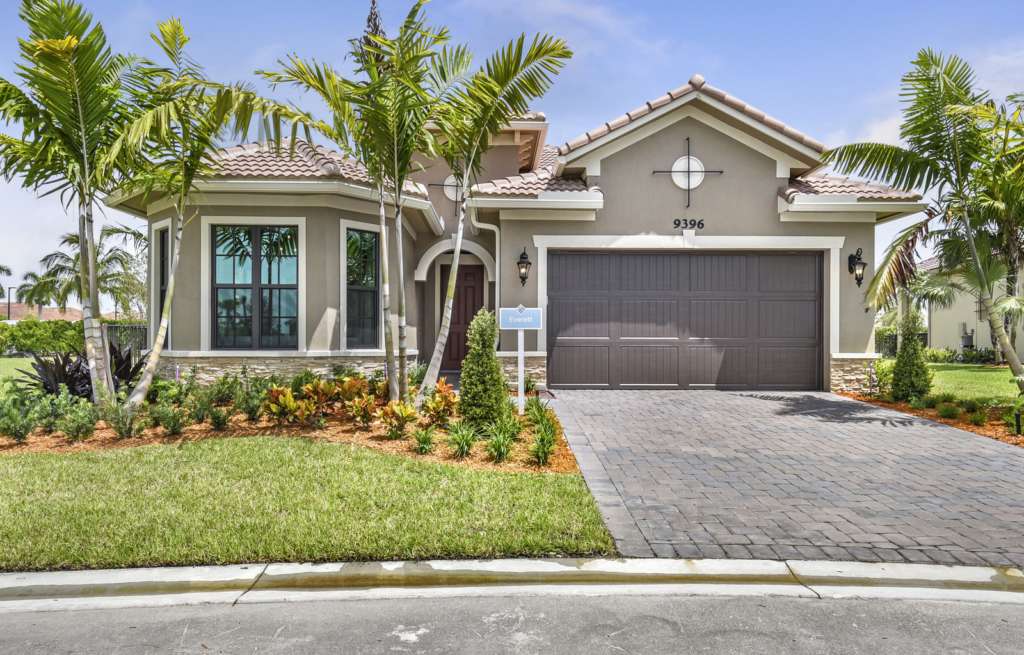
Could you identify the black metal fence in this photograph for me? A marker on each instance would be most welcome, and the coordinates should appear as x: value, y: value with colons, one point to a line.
x: 124, y: 335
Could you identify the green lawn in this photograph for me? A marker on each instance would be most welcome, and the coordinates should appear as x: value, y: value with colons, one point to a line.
x: 973, y: 381
x: 260, y: 499
x: 9, y: 366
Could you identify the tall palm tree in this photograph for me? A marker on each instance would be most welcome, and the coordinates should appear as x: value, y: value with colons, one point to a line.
x: 113, y: 266
x: 502, y: 89
x: 943, y: 149
x: 404, y: 79
x: 5, y: 271
x: 172, y: 142
x: 70, y: 106
x: 37, y: 290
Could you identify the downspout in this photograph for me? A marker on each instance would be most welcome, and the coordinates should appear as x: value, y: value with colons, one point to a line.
x: 497, y: 253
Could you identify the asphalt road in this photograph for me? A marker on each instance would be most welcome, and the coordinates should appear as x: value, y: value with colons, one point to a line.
x: 536, y: 624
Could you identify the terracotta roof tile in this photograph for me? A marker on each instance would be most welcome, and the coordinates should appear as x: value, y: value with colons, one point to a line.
x: 696, y: 83
x: 533, y: 183
x: 306, y: 161
x: 22, y: 311
x: 930, y: 264
x: 832, y: 185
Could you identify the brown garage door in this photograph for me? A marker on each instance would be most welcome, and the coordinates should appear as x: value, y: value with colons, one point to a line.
x: 684, y: 320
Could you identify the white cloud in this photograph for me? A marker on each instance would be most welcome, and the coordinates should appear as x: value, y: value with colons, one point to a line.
x: 1000, y: 69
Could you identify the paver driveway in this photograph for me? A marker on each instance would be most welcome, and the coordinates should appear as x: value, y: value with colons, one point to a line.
x: 793, y: 476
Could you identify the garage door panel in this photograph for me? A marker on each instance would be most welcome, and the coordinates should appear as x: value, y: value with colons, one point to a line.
x: 649, y: 319
x: 581, y: 365
x: 654, y: 366
x: 719, y: 319
x: 685, y: 320
x: 788, y: 319
x: 578, y: 318
x: 717, y: 366
x: 784, y: 367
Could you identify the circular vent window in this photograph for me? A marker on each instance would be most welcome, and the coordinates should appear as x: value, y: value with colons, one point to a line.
x: 695, y: 176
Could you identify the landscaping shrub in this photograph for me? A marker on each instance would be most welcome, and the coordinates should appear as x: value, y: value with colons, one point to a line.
x: 883, y: 375
x: 499, y: 446
x: 543, y: 443
x: 948, y: 410
x: 396, y: 416
x: 930, y: 401
x: 362, y: 409
x: 34, y: 336
x: 251, y: 402
x: 71, y: 369
x: 299, y: 382
x: 125, y: 421
x: 78, y: 420
x: 940, y: 355
x: 219, y: 418
x: 416, y: 373
x: 342, y: 371
x: 978, y: 418
x: 536, y: 410
x: 910, y: 375
x: 378, y: 385
x: 507, y: 425
x: 16, y: 420
x: 282, y: 406
x: 424, y: 438
x: 440, y: 407
x: 977, y: 356
x: 461, y: 437
x: 529, y: 384
x: 164, y: 390
x: 225, y: 389
x: 946, y: 397
x: 351, y: 387
x: 970, y: 405
x: 482, y: 387
x: 916, y: 403
x: 172, y: 418
x: 323, y: 394
x: 199, y: 406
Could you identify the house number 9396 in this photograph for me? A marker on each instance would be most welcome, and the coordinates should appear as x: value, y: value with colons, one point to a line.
x: 688, y: 224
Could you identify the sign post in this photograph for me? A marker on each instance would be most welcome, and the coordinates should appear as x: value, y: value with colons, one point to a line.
x: 521, y: 319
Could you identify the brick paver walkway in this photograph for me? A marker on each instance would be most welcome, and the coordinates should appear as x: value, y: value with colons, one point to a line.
x: 793, y: 476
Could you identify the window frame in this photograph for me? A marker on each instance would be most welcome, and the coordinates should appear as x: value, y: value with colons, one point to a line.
x: 157, y: 277
x: 208, y: 295
x: 345, y: 226
x: 256, y: 287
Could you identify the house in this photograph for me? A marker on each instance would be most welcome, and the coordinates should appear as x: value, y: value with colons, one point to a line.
x: 690, y: 243
x: 962, y: 324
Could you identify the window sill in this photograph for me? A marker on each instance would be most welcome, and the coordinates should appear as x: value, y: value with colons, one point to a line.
x: 278, y: 353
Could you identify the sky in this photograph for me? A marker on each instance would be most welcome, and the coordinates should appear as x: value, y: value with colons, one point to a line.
x: 830, y: 69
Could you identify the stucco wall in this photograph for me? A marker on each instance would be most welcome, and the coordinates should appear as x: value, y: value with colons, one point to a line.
x: 742, y: 201
x: 946, y: 325
x: 322, y: 263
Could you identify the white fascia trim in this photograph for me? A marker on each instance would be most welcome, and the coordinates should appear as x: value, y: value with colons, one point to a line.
x: 443, y: 246
x: 785, y: 161
x: 205, y: 281
x: 856, y: 355
x: 558, y: 215
x: 154, y: 280
x: 855, y: 206
x: 689, y: 240
x: 277, y: 354
x: 828, y: 217
x: 553, y: 200
x: 345, y: 226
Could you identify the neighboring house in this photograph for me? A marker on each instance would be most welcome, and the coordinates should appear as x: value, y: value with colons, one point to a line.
x: 963, y: 324
x: 740, y: 282
x: 21, y: 311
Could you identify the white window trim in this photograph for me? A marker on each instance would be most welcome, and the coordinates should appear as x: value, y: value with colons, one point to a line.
x: 154, y: 280
x: 346, y: 225
x: 205, y: 322
x: 689, y: 240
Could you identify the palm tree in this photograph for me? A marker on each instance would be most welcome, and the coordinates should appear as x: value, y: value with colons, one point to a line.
x: 501, y: 90
x: 71, y: 106
x: 37, y: 290
x: 172, y: 142
x: 405, y: 79
x: 5, y: 271
x: 113, y: 266
x: 943, y: 149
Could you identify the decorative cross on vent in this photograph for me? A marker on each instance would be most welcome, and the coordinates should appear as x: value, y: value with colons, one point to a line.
x: 688, y: 172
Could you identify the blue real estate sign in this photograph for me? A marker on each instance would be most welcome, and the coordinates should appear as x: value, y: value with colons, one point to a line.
x: 520, y: 318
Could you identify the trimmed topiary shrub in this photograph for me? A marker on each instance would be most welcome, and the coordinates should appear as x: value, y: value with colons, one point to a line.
x: 910, y: 376
x: 482, y: 394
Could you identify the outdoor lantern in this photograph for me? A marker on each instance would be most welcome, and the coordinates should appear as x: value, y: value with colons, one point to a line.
x: 857, y: 266
x: 524, y: 265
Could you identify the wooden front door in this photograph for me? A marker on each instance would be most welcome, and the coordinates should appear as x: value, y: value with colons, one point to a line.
x: 469, y: 299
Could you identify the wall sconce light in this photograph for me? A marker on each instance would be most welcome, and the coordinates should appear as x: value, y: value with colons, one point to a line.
x: 524, y: 264
x: 857, y: 266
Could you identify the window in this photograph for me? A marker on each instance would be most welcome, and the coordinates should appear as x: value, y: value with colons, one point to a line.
x: 362, y: 281
x: 164, y: 263
x: 255, y: 287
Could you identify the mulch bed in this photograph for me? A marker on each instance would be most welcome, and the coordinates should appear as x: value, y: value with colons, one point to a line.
x: 995, y: 428
x: 337, y: 430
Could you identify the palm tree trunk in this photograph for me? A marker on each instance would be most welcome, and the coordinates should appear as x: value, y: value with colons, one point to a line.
x: 403, y: 345
x: 434, y: 368
x: 995, y: 321
x: 95, y: 348
x: 156, y: 350
x: 385, y: 281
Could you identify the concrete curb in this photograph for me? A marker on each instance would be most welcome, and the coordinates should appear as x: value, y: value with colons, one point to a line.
x: 278, y: 582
